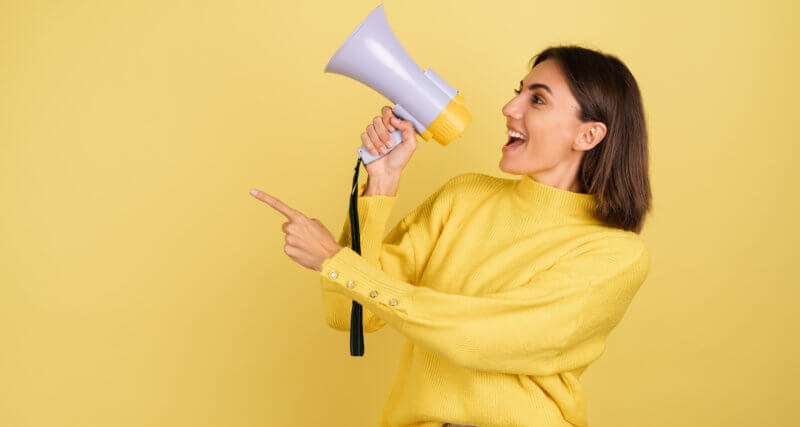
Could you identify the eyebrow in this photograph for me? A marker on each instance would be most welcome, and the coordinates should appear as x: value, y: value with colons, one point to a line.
x: 538, y: 85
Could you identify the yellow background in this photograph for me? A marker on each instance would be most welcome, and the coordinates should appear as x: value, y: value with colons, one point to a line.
x: 141, y: 285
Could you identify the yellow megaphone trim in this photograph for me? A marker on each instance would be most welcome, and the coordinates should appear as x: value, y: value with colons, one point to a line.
x: 450, y: 123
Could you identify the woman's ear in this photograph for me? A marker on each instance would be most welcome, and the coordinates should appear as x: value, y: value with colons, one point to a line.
x: 589, y: 135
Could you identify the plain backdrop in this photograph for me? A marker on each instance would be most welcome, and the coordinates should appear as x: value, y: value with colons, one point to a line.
x: 141, y: 285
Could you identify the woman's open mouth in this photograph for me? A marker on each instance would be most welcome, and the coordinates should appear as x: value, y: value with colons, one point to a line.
x: 513, y: 142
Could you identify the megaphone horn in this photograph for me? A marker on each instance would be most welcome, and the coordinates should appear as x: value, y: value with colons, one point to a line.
x: 373, y: 55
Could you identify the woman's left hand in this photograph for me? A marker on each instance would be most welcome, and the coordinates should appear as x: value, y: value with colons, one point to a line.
x: 308, y: 242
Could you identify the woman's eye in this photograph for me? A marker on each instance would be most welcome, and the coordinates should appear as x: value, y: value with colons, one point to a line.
x: 533, y: 98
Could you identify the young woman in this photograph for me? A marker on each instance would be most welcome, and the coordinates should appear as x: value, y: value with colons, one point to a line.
x: 506, y: 289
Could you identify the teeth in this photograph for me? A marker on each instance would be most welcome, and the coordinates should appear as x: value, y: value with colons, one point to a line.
x: 515, y: 134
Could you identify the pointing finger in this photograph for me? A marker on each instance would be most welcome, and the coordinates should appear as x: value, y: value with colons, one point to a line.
x: 276, y: 204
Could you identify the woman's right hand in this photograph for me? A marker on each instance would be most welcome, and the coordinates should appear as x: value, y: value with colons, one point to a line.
x: 377, y: 136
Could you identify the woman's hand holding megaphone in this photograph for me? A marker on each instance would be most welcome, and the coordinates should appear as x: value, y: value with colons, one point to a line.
x: 377, y: 140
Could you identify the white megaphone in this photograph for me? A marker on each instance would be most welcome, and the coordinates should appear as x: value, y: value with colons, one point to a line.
x: 373, y: 55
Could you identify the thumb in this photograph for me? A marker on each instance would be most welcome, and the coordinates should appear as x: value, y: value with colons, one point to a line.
x: 401, y: 124
x: 405, y: 126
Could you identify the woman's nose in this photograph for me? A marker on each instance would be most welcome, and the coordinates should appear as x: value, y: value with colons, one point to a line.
x: 509, y: 110
x: 504, y: 110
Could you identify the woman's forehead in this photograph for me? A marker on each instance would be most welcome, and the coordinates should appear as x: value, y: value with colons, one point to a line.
x: 547, y: 73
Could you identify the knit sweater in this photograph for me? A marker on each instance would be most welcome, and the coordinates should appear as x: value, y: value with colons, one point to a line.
x: 505, y: 290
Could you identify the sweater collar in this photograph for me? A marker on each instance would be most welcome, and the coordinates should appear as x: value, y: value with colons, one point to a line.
x: 548, y: 199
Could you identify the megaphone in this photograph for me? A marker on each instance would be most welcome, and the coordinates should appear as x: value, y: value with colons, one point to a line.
x: 373, y: 55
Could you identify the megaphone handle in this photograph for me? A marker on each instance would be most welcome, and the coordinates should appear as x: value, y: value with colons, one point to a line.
x: 367, y: 157
x: 397, y: 135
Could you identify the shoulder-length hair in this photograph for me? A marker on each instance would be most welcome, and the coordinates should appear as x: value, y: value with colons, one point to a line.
x: 616, y: 169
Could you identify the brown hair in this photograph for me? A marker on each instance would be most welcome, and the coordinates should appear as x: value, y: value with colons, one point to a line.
x: 616, y: 168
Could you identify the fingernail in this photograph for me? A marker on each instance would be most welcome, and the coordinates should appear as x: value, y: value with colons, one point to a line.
x: 391, y: 128
x: 254, y: 192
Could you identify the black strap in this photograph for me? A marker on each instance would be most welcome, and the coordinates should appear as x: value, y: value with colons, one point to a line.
x: 356, y: 325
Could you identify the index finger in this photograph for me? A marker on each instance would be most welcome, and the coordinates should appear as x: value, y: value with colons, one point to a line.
x: 388, y: 115
x: 275, y: 203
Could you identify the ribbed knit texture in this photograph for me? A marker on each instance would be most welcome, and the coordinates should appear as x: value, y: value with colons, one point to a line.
x: 505, y: 289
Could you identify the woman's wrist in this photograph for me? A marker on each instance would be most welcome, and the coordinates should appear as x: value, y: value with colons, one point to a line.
x: 384, y: 185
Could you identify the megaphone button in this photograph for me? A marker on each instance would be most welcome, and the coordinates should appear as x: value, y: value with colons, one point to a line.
x: 459, y: 98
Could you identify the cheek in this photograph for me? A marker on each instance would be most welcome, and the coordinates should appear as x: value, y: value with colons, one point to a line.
x: 544, y: 149
x: 547, y: 136
x: 540, y: 125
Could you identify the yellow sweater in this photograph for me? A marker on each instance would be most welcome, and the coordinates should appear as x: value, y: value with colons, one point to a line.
x: 505, y: 289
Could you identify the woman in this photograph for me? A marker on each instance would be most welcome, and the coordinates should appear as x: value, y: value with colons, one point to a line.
x: 506, y: 290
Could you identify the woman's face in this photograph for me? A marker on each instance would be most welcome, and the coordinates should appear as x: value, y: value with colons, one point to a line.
x: 547, y: 115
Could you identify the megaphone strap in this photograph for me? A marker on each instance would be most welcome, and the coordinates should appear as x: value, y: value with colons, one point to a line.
x: 356, y: 323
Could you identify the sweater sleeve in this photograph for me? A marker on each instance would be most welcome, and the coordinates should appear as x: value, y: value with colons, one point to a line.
x: 394, y: 255
x: 557, y: 321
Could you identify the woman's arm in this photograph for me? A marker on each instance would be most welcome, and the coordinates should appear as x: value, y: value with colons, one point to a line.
x: 556, y: 322
x: 395, y: 255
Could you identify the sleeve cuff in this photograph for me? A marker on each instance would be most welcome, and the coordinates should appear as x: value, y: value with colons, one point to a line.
x: 348, y: 273
x: 373, y: 215
x: 375, y: 208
